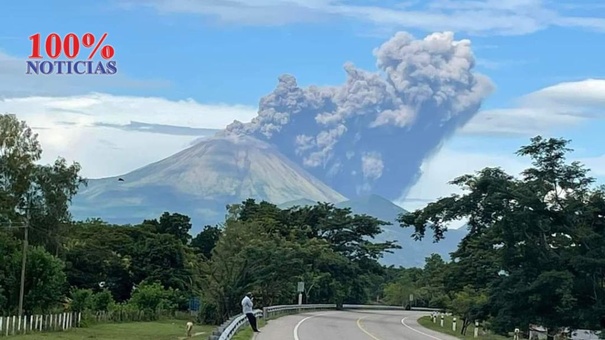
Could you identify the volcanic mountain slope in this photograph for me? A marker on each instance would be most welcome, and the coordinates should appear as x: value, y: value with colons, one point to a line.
x: 200, y: 181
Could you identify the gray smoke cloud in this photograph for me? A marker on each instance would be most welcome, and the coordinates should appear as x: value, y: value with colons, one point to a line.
x: 372, y: 133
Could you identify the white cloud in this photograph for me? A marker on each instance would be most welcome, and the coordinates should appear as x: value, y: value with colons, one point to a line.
x: 449, y: 164
x: 558, y: 106
x: 472, y: 16
x: 79, y: 128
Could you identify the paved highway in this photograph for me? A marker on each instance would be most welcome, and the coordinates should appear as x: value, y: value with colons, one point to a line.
x: 350, y: 325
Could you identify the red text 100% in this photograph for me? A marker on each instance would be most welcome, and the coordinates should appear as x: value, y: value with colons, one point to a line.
x: 70, y: 47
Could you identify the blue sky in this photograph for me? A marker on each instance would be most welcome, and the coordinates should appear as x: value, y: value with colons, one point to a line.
x: 217, y: 53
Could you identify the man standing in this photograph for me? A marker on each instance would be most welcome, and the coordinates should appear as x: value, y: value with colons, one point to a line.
x: 247, y: 309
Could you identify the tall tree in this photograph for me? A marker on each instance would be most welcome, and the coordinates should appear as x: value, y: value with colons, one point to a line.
x: 42, y: 192
x: 174, y: 224
x: 206, y: 240
x: 537, y: 242
x: 19, y: 152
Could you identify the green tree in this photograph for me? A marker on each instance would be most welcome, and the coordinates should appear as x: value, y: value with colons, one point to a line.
x: 175, y: 224
x: 98, y: 252
x: 433, y: 281
x: 53, y: 186
x: 206, y: 240
x: 19, y: 152
x: 122, y: 256
x: 9, y: 278
x: 349, y: 236
x: 81, y: 300
x: 40, y: 193
x: 101, y: 301
x: 470, y: 305
x: 160, y: 258
x: 151, y: 296
x: 536, y: 243
x: 44, y: 281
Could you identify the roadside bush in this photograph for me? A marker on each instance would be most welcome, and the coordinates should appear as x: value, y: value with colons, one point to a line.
x: 101, y: 301
x: 152, y: 297
x: 81, y: 300
x: 209, y: 314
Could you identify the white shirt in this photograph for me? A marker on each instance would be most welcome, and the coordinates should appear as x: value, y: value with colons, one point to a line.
x: 247, y: 305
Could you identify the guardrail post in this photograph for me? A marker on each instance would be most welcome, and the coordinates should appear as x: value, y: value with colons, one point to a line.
x: 265, y: 313
x: 215, y: 335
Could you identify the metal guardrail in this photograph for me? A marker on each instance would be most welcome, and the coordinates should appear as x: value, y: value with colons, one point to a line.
x: 385, y: 307
x: 271, y: 310
x: 227, y: 330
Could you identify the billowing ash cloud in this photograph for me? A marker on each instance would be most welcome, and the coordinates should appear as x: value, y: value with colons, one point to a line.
x: 372, y: 133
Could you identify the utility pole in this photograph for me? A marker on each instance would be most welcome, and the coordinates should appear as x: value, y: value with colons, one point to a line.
x: 24, y: 261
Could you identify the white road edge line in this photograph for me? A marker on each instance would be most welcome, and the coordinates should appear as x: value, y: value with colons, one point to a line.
x: 415, y: 330
x: 301, y: 322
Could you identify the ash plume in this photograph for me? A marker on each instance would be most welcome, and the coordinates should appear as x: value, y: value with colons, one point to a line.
x: 372, y: 133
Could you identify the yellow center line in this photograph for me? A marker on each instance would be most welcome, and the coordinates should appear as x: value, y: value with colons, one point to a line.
x: 359, y: 325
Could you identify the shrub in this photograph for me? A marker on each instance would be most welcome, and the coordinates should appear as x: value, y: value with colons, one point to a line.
x: 209, y: 314
x: 81, y: 300
x: 152, y: 297
x: 101, y: 301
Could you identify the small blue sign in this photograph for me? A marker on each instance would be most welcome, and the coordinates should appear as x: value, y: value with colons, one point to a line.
x: 194, y: 304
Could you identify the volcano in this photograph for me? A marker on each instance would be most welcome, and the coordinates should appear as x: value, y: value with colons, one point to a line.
x: 200, y: 181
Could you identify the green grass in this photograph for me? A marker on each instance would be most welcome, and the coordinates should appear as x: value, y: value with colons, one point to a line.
x: 159, y: 330
x: 246, y: 333
x: 426, y: 321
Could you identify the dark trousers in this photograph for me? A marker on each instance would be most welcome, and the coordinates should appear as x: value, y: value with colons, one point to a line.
x: 252, y: 321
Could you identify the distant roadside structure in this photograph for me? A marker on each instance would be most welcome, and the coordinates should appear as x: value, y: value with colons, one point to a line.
x: 539, y: 333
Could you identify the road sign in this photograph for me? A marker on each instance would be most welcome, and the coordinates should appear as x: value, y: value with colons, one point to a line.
x: 301, y: 287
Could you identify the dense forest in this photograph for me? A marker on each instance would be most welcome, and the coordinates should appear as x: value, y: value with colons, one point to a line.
x: 535, y: 251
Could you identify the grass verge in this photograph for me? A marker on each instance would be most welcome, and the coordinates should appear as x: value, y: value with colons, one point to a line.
x: 426, y: 322
x: 246, y: 332
x: 157, y: 330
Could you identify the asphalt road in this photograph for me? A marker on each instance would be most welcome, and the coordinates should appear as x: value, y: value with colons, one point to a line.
x: 350, y: 325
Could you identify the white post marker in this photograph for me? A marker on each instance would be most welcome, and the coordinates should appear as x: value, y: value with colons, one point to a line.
x: 454, y: 324
x: 301, y: 289
x: 476, y: 329
x: 441, y: 320
x: 517, y: 331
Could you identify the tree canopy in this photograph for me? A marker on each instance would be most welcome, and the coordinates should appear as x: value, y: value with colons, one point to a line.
x: 535, y: 244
